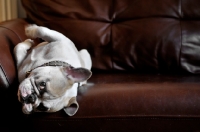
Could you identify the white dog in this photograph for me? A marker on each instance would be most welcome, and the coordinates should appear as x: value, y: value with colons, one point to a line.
x: 50, y: 72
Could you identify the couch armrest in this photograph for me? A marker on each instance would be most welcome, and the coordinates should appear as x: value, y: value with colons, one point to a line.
x: 11, y: 33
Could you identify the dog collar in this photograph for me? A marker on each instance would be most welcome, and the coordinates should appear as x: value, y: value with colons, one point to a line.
x: 51, y: 63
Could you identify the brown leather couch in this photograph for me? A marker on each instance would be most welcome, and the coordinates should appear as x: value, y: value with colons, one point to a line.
x: 146, y: 65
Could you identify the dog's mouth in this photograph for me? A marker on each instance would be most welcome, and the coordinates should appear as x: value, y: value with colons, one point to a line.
x: 30, y: 106
x: 28, y: 103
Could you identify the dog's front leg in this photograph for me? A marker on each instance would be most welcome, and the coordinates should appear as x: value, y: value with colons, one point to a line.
x: 20, y: 50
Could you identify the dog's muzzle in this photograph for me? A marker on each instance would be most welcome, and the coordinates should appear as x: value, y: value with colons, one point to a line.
x: 29, y: 99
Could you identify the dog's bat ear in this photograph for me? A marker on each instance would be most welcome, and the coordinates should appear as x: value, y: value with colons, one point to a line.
x: 77, y: 74
x: 72, y: 107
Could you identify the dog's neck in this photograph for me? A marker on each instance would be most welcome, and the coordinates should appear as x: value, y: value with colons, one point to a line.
x: 51, y: 63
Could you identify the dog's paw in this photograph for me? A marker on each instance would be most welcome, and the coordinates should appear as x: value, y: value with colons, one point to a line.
x: 29, y: 43
x: 31, y: 31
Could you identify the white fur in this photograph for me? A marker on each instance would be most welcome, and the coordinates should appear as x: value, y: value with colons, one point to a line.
x: 56, y: 47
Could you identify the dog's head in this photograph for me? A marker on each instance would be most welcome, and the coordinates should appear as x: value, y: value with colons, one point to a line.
x: 50, y: 89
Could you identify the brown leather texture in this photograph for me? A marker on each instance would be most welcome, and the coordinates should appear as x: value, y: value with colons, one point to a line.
x: 11, y: 33
x: 136, y: 35
x: 126, y: 102
x: 143, y: 54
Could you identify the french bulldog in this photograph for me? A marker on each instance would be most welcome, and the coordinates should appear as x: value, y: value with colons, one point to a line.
x: 50, y: 72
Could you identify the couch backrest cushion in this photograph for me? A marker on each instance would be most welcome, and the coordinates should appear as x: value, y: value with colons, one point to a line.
x: 138, y: 35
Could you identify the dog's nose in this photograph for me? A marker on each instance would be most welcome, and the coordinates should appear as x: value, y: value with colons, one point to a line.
x: 30, y: 99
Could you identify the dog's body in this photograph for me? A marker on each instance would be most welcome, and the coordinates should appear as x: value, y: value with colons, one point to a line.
x: 50, y: 88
